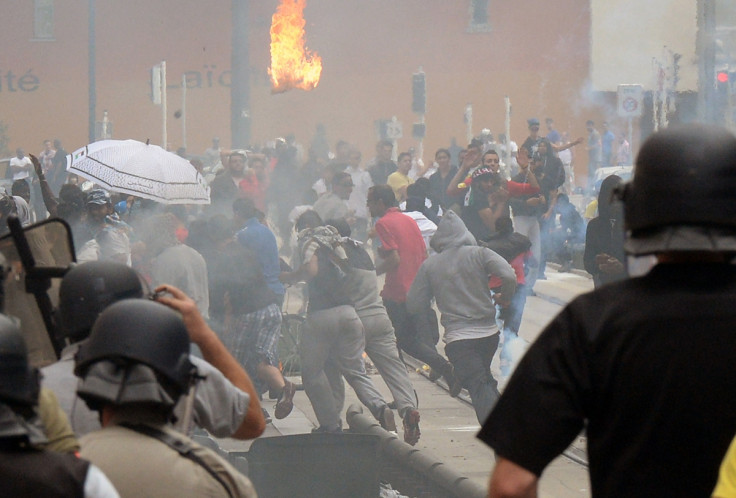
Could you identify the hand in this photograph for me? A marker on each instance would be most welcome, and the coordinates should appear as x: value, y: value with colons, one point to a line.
x: 608, y: 264
x: 36, y: 165
x: 499, y: 196
x: 578, y: 141
x: 471, y: 157
x: 613, y: 267
x: 178, y: 301
x: 501, y: 300
x: 522, y: 158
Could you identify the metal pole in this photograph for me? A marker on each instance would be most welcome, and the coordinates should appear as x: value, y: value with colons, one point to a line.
x: 184, y: 110
x: 92, y: 71
x: 706, y: 47
x: 164, y: 138
x: 469, y: 122
x: 507, y: 123
x: 631, y: 140
x: 421, y: 140
x: 240, y: 115
x: 105, y: 123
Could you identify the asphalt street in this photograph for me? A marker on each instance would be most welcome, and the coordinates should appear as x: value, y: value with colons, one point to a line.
x: 449, y: 425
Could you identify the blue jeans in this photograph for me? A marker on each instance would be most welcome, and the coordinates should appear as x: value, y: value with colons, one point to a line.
x: 472, y: 361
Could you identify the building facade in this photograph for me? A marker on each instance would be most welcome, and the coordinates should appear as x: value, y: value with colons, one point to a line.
x: 472, y: 51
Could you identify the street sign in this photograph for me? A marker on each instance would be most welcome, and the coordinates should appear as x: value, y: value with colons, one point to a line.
x: 419, y: 130
x: 394, y: 130
x: 630, y: 101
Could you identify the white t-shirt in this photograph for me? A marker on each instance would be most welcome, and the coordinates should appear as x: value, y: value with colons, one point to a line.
x: 21, y: 163
x: 319, y: 186
x: 361, y: 183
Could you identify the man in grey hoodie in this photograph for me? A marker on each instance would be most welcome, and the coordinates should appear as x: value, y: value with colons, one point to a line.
x: 457, y: 277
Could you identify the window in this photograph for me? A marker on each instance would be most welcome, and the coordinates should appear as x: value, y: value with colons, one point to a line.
x: 43, y: 19
x: 479, y: 17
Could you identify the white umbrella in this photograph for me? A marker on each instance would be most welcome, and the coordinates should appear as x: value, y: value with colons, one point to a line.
x: 135, y: 168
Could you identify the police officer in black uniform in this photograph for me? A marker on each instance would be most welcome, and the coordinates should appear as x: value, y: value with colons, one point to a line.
x: 26, y: 470
x: 645, y: 365
x: 133, y: 369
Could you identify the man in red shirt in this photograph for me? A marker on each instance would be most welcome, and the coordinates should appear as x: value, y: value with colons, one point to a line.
x: 403, y: 251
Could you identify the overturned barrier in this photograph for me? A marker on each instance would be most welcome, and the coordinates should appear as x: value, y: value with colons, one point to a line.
x: 409, y: 470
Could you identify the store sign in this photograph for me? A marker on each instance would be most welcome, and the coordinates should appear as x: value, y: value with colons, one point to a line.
x: 11, y: 82
x: 630, y: 101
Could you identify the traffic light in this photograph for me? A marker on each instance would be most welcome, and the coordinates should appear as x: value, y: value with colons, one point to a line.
x: 723, y: 99
x: 419, y: 93
x: 722, y: 88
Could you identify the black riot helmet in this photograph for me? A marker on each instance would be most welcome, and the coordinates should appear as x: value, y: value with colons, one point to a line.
x: 19, y: 383
x: 682, y: 191
x: 88, y: 289
x: 130, y: 333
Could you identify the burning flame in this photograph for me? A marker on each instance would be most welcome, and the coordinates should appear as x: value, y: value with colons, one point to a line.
x: 292, y: 65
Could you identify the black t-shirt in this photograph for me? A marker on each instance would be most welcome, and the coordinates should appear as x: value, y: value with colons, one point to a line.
x: 648, y: 365
x: 553, y: 174
x: 518, y: 204
x: 236, y: 271
x: 438, y: 188
x: 379, y: 172
x: 531, y: 144
x: 472, y: 218
x: 326, y: 289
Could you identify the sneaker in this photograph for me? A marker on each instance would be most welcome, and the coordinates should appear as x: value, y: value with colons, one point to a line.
x: 453, y: 383
x: 266, y: 416
x: 411, y: 427
x: 286, y: 401
x: 434, y: 375
x: 387, y: 420
x: 323, y: 429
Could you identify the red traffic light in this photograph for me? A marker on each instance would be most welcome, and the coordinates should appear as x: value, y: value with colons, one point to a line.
x: 722, y: 77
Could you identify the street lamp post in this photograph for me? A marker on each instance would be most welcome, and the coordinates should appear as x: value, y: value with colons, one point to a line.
x: 240, y: 115
x: 92, y: 70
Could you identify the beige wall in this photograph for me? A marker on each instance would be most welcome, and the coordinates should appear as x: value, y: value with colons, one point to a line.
x: 626, y: 35
x: 537, y: 53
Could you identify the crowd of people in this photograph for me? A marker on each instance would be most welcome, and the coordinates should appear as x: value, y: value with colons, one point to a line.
x: 468, y: 239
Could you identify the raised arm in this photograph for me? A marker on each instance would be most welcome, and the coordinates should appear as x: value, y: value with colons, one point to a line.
x: 471, y: 159
x: 215, y: 352
x: 561, y: 147
x: 49, y: 199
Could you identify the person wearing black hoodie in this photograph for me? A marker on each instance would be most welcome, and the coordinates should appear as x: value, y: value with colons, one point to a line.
x: 604, y: 239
